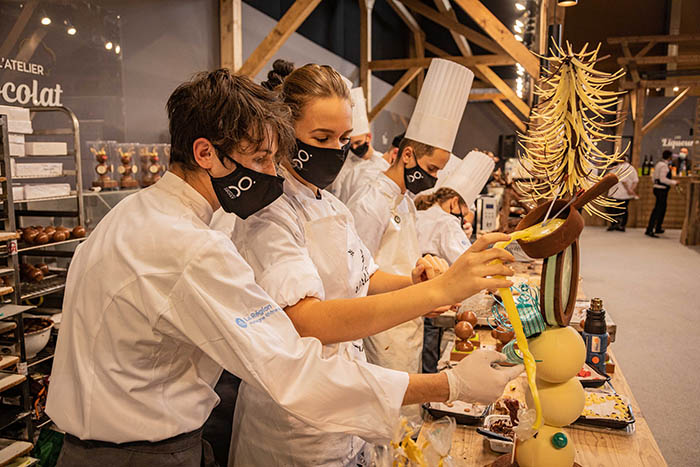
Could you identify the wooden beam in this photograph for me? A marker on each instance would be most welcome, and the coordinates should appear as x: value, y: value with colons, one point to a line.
x: 445, y: 7
x: 485, y: 96
x: 632, y: 67
x: 665, y: 111
x: 509, y: 115
x: 284, y: 28
x: 501, y: 35
x: 366, y: 7
x: 419, y: 48
x: 405, y: 15
x: 436, y: 50
x: 640, y: 98
x: 645, y: 50
x: 659, y: 59
x: 506, y: 90
x: 633, y: 104
x: 20, y: 23
x: 453, y: 25
x: 394, y: 91
x: 230, y: 36
x: 474, y: 60
x: 671, y: 39
x: 680, y: 81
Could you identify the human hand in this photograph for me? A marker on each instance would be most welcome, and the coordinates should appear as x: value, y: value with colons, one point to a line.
x: 468, y: 229
x: 477, y: 378
x: 428, y: 267
x: 472, y: 271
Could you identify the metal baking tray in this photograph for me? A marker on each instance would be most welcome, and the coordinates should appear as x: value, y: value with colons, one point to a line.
x: 439, y: 410
x: 608, y: 423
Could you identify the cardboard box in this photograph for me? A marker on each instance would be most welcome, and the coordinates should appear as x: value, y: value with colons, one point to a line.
x: 17, y: 149
x: 43, y: 169
x: 46, y: 190
x: 16, y: 138
x: 17, y: 119
x: 17, y: 192
x: 42, y: 148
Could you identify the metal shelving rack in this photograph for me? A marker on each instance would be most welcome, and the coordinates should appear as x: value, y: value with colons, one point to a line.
x: 11, y: 317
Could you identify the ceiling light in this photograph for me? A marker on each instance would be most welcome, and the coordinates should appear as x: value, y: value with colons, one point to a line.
x: 566, y: 3
x: 517, y: 28
x: 520, y: 72
x: 519, y: 6
x: 518, y: 38
x: 519, y: 23
x: 675, y: 89
x: 109, y: 45
x: 117, y: 49
x: 45, y: 20
x: 71, y: 31
x: 519, y: 92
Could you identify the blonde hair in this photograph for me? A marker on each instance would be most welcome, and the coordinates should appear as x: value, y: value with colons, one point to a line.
x: 441, y: 195
x: 297, y: 87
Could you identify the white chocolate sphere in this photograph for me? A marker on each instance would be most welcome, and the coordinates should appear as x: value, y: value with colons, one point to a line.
x: 562, y: 403
x: 540, y: 452
x: 562, y: 352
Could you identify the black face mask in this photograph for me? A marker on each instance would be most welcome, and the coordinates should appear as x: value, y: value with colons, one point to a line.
x: 360, y: 150
x: 244, y: 191
x: 318, y: 166
x: 460, y: 217
x: 417, y: 179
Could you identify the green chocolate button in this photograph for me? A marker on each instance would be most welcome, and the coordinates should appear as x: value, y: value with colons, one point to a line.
x: 559, y: 440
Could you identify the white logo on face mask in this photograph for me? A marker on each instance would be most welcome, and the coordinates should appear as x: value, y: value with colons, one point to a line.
x: 302, y: 156
x: 244, y: 184
x: 415, y: 176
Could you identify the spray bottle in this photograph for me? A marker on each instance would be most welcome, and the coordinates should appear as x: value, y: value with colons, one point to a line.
x: 595, y: 336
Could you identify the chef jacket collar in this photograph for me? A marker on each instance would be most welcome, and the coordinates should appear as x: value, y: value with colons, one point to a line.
x: 190, y: 197
x: 296, y: 189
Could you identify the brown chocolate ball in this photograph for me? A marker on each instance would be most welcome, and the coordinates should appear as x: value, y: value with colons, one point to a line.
x: 464, y: 330
x: 467, y: 316
x: 41, y: 238
x: 464, y: 346
x: 61, y: 235
x: 78, y: 232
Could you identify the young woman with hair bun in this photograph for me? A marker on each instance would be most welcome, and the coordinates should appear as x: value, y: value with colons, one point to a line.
x: 305, y: 252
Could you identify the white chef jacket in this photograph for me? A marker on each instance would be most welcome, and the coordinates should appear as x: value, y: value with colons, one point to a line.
x: 626, y: 170
x: 439, y: 233
x: 156, y: 303
x: 276, y: 243
x: 661, y: 178
x: 355, y: 173
x: 371, y: 206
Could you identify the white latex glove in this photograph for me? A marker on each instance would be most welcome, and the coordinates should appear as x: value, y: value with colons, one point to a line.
x: 474, y: 379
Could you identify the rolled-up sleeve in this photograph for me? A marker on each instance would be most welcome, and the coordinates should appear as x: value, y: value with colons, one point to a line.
x: 218, y: 307
x: 273, y: 244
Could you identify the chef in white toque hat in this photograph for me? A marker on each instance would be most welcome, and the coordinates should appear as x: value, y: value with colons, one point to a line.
x: 363, y: 160
x: 385, y: 214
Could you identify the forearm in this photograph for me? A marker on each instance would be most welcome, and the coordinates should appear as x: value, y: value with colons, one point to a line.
x: 382, y: 282
x: 344, y: 320
x: 426, y: 388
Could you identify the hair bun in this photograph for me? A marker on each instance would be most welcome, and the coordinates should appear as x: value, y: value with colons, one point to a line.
x: 280, y: 70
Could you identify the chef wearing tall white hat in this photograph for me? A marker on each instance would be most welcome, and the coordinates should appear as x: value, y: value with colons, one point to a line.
x: 385, y: 214
x: 364, y: 160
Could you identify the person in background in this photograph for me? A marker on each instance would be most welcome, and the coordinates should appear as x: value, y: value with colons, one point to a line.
x: 384, y: 213
x: 390, y: 155
x: 149, y: 324
x: 306, y: 253
x: 362, y: 155
x: 443, y: 230
x: 683, y: 164
x: 623, y: 192
x: 662, y: 185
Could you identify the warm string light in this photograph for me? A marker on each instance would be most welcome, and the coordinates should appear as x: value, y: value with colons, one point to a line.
x: 109, y: 45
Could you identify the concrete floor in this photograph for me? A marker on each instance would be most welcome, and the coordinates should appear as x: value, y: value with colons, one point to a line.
x: 651, y: 287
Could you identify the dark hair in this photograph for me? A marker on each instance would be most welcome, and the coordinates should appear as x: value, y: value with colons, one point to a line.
x: 666, y: 154
x: 231, y: 111
x: 440, y: 195
x: 419, y: 149
x: 397, y: 140
x: 298, y: 86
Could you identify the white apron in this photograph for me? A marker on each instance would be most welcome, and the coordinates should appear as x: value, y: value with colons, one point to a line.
x: 399, y: 348
x: 271, y: 437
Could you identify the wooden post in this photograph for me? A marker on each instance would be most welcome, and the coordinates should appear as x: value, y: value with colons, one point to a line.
x: 621, y: 116
x: 230, y: 36
x: 690, y: 234
x: 418, y: 40
x: 284, y: 28
x: 366, y: 7
x: 640, y: 98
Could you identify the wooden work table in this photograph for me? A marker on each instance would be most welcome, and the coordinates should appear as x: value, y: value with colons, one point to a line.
x: 593, y: 448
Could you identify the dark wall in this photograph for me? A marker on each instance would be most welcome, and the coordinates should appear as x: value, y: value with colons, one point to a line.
x: 164, y: 43
x: 481, y: 126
